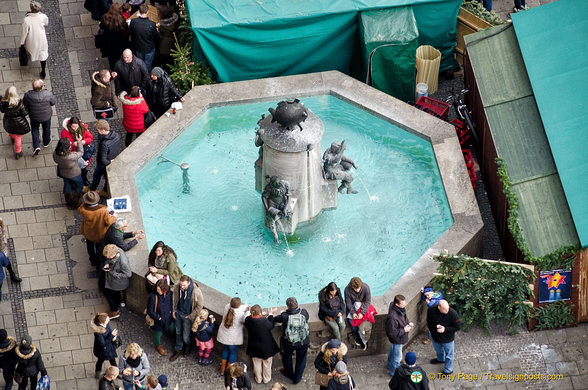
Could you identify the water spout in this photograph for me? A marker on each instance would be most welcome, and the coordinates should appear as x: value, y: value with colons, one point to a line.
x: 185, y: 175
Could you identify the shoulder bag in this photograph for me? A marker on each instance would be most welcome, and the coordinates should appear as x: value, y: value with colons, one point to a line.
x: 23, y: 56
x: 149, y: 321
x: 321, y: 379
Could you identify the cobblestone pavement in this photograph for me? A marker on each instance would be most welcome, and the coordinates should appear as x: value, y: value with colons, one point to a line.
x: 58, y: 294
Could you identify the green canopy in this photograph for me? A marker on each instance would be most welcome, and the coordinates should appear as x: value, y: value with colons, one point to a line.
x: 389, y: 39
x: 244, y: 39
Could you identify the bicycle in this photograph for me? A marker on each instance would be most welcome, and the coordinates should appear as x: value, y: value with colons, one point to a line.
x: 462, y: 111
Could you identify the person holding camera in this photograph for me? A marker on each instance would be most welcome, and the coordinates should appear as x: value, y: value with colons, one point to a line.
x: 117, y: 277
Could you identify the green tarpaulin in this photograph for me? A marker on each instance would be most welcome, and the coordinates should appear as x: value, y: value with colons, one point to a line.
x: 389, y: 39
x: 244, y: 39
x: 554, y: 40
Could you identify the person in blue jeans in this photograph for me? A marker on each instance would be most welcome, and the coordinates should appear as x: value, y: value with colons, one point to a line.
x: 187, y: 303
x: 443, y: 321
x: 69, y: 169
x: 289, y: 347
x: 397, y: 329
x: 4, y: 262
x: 39, y: 102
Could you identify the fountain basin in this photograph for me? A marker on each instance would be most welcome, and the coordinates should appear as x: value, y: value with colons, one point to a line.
x: 464, y: 235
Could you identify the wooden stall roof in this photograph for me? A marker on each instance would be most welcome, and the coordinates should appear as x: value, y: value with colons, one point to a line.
x: 519, y: 137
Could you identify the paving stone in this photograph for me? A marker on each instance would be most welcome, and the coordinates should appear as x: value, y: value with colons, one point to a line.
x: 52, y: 198
x: 9, y: 218
x: 20, y: 188
x: 39, y: 186
x: 13, y: 202
x: 58, y: 330
x: 44, y: 215
x: 551, y: 354
x: 33, y: 305
x: 24, y: 217
x: 27, y: 175
x: 55, y: 254
x: 35, y: 256
x: 580, y: 382
x: 37, y: 229
x: 58, y: 359
x: 23, y: 243
x: 39, y: 282
x: 18, y: 231
x: 84, y: 313
x: 50, y: 345
x: 58, y: 280
x: 76, y: 328
x: 45, y: 241
x: 46, y: 317
x: 84, y: 355
x: 32, y: 200
x: 70, y: 343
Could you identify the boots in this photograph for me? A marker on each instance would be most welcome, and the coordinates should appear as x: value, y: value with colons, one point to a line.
x: 223, y: 366
x: 13, y: 276
x: 85, y: 177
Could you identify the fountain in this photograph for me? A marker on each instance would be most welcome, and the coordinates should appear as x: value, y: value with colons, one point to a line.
x: 387, y: 233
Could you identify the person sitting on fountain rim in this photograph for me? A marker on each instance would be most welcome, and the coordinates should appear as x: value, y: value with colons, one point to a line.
x: 276, y: 197
x: 336, y: 166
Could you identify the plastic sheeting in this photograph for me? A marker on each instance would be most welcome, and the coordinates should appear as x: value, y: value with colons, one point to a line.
x: 389, y: 39
x: 243, y: 39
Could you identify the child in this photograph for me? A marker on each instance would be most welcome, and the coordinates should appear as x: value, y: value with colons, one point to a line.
x: 204, y: 339
x: 126, y: 10
x: 431, y: 297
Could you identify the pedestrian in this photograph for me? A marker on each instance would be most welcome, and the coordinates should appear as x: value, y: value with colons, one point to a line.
x: 358, y: 302
x: 169, y: 21
x: 187, y: 303
x: 430, y: 296
x: 203, y: 327
x: 69, y: 169
x: 332, y: 309
x: 341, y: 380
x: 129, y: 71
x: 236, y: 377
x: 126, y: 12
x: 230, y: 331
x: 114, y: 36
x: 7, y: 358
x: 96, y: 219
x: 103, y: 97
x: 159, y: 307
x: 409, y: 376
x: 107, y: 380
x: 162, y: 92
x: 163, y: 380
x: 152, y: 383
x: 397, y: 329
x: 295, y: 339
x: 33, y: 36
x: 15, y: 118
x: 443, y: 321
x: 108, y: 149
x: 134, y: 109
x: 4, y: 262
x: 261, y: 346
x: 72, y: 127
x: 116, y: 234
x: 116, y: 278
x: 104, y: 342
x: 144, y: 36
x: 162, y: 264
x: 38, y: 102
x: 97, y: 8
x: 330, y: 353
x: 134, y: 366
x: 29, y: 363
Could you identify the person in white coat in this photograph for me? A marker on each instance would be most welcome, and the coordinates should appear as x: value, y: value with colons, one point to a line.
x: 230, y: 331
x: 33, y: 35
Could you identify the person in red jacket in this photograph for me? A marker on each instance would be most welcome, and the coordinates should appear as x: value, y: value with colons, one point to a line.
x: 134, y: 109
x: 71, y: 127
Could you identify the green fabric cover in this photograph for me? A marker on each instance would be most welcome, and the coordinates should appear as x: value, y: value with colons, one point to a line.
x: 244, y: 39
x: 389, y: 39
x: 554, y: 41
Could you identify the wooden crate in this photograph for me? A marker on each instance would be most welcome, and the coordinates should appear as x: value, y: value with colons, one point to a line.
x: 467, y: 23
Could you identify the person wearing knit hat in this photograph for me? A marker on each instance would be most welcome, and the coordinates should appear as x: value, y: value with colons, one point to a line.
x: 162, y: 92
x: 341, y: 380
x: 409, y: 376
x: 96, y: 219
x: 330, y: 355
x: 29, y: 356
x: 7, y: 357
x: 4, y: 262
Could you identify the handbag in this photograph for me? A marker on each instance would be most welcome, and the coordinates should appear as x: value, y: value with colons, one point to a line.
x: 321, y: 379
x: 104, y: 113
x: 23, y: 56
x: 150, y: 321
x: 149, y: 119
x: 117, y: 341
x: 89, y: 151
x: 19, y: 372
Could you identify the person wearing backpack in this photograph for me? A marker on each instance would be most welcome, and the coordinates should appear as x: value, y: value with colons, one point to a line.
x: 294, y: 339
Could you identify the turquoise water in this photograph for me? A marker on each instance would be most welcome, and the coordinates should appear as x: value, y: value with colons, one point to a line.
x: 218, y: 233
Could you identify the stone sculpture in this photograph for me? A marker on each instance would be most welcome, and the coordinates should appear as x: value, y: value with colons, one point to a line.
x: 276, y: 197
x: 336, y: 166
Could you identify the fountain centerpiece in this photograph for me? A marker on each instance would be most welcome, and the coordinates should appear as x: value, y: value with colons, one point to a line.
x: 289, y: 170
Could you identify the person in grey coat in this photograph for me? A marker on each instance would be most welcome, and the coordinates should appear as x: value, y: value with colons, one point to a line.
x: 69, y: 170
x: 117, y: 277
x: 134, y: 367
x: 38, y: 102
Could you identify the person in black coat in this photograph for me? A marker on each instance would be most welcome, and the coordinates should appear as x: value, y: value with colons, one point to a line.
x: 332, y: 309
x: 162, y: 92
x: 236, y: 377
x: 115, y: 34
x: 261, y: 345
x: 97, y: 7
x: 104, y: 341
x: 7, y: 358
x: 159, y: 307
x: 29, y: 357
x: 117, y: 234
x: 108, y: 149
x: 107, y: 380
x: 289, y: 348
x: 409, y: 376
x: 15, y: 118
x: 130, y: 71
x: 144, y: 36
x: 329, y: 355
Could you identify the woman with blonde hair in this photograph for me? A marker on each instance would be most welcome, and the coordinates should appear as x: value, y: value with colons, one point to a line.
x: 15, y: 120
x: 204, y: 341
x: 33, y: 36
x: 230, y: 332
x: 134, y: 366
